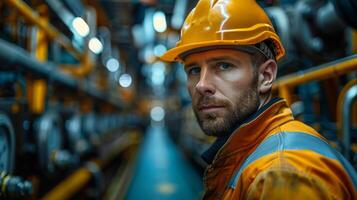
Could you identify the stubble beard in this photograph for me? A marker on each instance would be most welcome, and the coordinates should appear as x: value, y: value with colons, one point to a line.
x: 244, y: 105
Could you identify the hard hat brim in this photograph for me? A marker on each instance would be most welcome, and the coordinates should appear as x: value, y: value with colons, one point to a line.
x: 174, y: 54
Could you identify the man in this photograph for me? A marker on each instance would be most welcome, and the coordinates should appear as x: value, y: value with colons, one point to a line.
x: 229, y: 50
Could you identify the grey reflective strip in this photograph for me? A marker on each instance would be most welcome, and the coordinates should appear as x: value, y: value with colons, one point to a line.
x: 294, y: 141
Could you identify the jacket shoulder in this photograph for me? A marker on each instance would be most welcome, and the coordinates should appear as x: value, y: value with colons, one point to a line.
x: 297, y: 154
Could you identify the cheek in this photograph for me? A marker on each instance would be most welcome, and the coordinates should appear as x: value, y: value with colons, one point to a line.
x: 190, y: 87
x: 239, y: 75
x: 236, y: 87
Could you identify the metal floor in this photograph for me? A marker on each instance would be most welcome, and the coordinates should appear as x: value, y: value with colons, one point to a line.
x: 162, y: 173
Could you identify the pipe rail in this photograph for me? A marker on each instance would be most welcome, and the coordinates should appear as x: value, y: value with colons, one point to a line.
x: 325, y: 71
x: 349, y: 99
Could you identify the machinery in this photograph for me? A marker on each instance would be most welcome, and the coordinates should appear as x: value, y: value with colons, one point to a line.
x: 59, y: 104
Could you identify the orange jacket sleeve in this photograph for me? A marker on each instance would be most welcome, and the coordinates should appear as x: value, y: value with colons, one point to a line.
x: 274, y: 184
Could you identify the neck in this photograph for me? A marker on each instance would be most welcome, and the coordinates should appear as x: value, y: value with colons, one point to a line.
x: 264, y: 99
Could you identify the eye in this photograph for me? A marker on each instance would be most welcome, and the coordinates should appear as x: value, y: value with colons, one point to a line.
x: 193, y: 71
x: 224, y: 66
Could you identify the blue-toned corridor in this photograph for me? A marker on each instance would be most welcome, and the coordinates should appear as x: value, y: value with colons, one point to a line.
x: 162, y: 172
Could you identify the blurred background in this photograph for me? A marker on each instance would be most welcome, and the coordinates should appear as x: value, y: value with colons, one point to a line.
x: 88, y: 111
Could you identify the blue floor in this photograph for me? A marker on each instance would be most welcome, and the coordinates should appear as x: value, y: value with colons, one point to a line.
x: 162, y: 173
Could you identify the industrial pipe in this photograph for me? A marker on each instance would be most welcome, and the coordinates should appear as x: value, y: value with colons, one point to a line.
x: 325, y: 71
x: 86, y: 65
x: 14, y: 56
x: 327, y: 19
x: 51, y: 31
x: 80, y: 178
x: 347, y: 10
x: 14, y: 187
x: 350, y: 98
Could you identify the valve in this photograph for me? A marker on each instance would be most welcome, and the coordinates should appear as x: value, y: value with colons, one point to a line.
x: 7, y: 143
x: 13, y: 186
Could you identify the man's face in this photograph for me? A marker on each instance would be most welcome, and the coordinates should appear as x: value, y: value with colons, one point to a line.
x: 223, y: 87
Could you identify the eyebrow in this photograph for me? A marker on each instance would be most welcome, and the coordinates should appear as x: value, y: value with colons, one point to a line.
x: 215, y: 59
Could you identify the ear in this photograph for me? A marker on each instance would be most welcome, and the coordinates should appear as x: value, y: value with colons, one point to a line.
x: 267, y: 74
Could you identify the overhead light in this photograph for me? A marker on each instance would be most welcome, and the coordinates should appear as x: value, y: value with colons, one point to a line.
x: 159, y: 50
x: 178, y: 14
x: 112, y: 65
x: 95, y: 45
x: 158, y: 73
x: 157, y: 113
x: 125, y: 80
x: 159, y: 21
x: 80, y: 26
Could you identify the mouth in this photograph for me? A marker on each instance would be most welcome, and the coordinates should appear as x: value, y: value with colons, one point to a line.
x: 210, y: 108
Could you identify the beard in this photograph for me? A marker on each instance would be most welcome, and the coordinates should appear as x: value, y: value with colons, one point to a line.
x: 213, y: 124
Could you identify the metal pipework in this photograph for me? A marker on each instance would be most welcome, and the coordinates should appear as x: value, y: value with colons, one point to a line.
x: 51, y: 31
x: 13, y: 186
x: 346, y: 9
x: 350, y: 98
x: 86, y: 63
x: 80, y: 178
x: 327, y: 19
x: 16, y: 57
x: 325, y: 71
x: 7, y: 143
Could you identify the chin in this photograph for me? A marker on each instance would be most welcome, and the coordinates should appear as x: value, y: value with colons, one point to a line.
x: 214, y: 127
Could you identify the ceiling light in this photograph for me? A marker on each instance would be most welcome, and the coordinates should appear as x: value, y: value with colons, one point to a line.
x: 80, y: 26
x: 157, y: 113
x: 125, y: 80
x: 159, y: 22
x: 95, y: 45
x: 159, y: 50
x: 112, y: 65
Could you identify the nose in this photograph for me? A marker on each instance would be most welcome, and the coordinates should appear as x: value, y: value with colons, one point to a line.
x: 205, y: 86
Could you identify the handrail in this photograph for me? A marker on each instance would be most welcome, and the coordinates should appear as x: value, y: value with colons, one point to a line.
x: 325, y: 71
x: 55, y: 35
x: 345, y: 103
x: 341, y: 96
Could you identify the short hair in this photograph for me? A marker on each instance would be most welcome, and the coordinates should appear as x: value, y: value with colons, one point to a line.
x: 265, y: 52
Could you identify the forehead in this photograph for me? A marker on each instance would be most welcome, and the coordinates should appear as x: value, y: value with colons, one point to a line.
x: 205, y: 56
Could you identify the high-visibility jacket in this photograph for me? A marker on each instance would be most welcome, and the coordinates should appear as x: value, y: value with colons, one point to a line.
x: 273, y: 156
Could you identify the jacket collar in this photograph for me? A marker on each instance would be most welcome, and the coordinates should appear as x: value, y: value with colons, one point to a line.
x: 248, y: 132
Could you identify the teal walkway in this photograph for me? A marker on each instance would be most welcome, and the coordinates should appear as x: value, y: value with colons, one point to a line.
x: 162, y: 173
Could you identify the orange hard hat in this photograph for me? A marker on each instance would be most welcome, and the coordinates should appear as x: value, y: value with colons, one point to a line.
x: 225, y: 23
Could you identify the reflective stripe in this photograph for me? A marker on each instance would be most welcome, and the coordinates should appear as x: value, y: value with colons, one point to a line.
x: 294, y: 141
